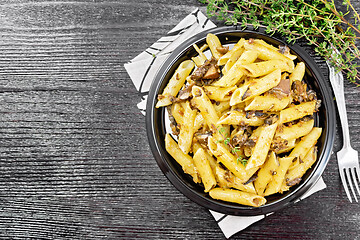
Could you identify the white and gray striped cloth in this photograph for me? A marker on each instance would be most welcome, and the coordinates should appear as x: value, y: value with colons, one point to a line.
x: 142, y: 70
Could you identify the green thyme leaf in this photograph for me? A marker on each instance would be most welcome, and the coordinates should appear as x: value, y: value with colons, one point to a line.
x: 319, y: 22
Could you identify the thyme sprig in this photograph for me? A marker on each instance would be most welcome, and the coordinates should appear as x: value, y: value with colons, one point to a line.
x: 234, y: 150
x: 319, y: 22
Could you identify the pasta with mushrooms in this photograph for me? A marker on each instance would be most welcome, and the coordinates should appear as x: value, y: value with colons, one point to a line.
x: 242, y: 120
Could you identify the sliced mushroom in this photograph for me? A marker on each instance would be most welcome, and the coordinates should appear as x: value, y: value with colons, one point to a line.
x: 212, y: 73
x: 186, y: 92
x: 222, y: 49
x: 293, y: 182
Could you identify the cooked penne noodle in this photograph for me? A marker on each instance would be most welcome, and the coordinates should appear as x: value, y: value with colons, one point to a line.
x: 178, y: 112
x: 266, y: 173
x: 198, y: 122
x: 201, y: 58
x: 222, y: 106
x: 297, y: 111
x: 175, y: 83
x: 262, y: 42
x: 232, y: 61
x: 228, y: 180
x: 295, y: 131
x: 294, y: 175
x: 262, y: 68
x: 256, y: 87
x: 238, y: 107
x: 236, y: 196
x: 267, y: 103
x: 186, y: 162
x: 227, y: 159
x: 235, y: 73
x: 262, y: 146
x: 298, y: 72
x: 219, y: 93
x: 203, y: 103
x: 232, y: 54
x: 214, y: 44
x: 274, y: 185
x: 290, y: 145
x: 210, y: 159
x: 264, y: 52
x: 239, y: 118
x: 303, y: 147
x: 187, y: 129
x: 203, y: 166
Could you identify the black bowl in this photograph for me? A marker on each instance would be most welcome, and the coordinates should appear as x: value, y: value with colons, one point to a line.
x: 155, y: 123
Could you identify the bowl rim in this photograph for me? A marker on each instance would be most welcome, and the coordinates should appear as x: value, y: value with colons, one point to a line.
x: 220, y: 206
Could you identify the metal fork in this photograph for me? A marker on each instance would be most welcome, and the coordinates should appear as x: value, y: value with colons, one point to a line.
x: 347, y: 157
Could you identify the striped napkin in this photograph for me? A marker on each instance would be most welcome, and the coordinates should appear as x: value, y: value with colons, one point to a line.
x: 142, y: 70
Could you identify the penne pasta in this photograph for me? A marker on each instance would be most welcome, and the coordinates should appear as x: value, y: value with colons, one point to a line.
x: 294, y: 175
x: 198, y: 122
x: 306, y: 143
x: 239, y: 118
x: 274, y: 185
x: 203, y: 166
x: 219, y: 94
x: 175, y: 83
x: 298, y: 73
x: 235, y: 73
x: 233, y: 54
x: 207, y: 110
x: 256, y: 87
x: 264, y: 52
x: 183, y: 159
x: 266, y: 173
x: 267, y: 103
x: 239, y: 123
x: 297, y: 111
x: 227, y: 159
x: 221, y: 107
x: 236, y: 196
x: 290, y: 145
x: 295, y: 131
x: 228, y: 180
x: 262, y: 146
x: 262, y: 42
x: 177, y: 112
x: 201, y: 58
x: 187, y: 129
x: 262, y: 68
x: 214, y: 44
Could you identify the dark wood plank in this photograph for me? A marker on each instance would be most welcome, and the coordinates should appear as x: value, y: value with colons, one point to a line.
x: 74, y: 159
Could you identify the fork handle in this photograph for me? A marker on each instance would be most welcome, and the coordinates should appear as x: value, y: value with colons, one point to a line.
x: 340, y: 102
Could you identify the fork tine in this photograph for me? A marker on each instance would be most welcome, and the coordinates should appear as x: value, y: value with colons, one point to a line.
x: 351, y: 179
x: 343, y: 180
x: 356, y: 178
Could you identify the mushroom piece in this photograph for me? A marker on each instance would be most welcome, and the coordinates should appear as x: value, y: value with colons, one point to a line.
x: 212, y: 73
x: 271, y: 119
x: 186, y: 92
x: 298, y: 91
x: 222, y: 49
x: 202, y: 138
x: 202, y: 72
x: 283, y: 86
x: 293, y: 182
x: 173, y: 124
x: 283, y: 49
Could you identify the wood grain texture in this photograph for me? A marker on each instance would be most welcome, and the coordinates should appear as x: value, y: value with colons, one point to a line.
x: 74, y: 159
